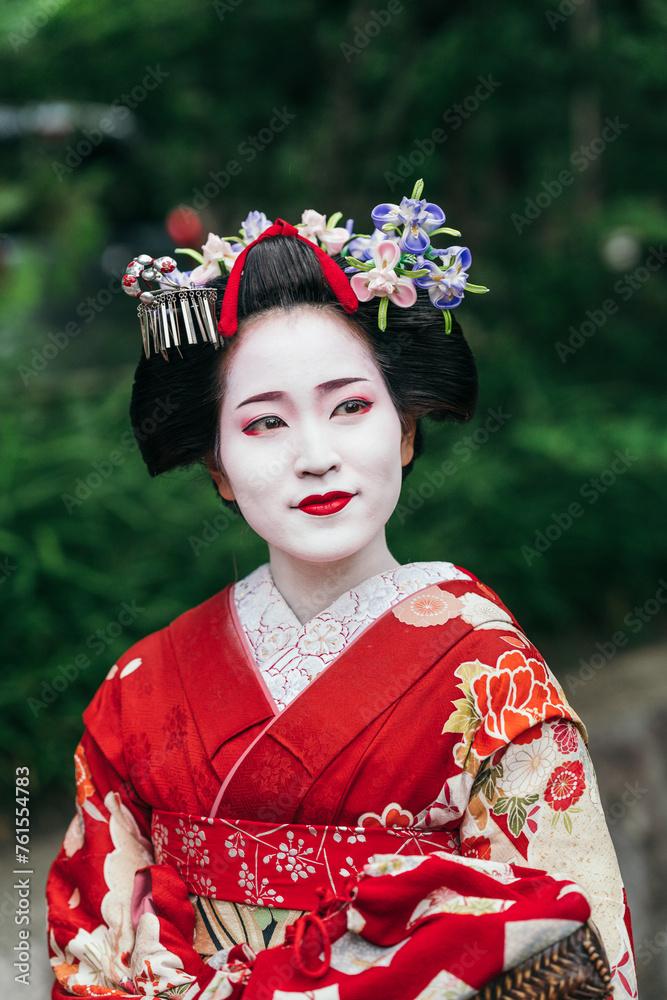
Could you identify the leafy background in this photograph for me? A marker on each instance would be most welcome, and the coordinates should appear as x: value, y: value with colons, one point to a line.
x: 361, y: 97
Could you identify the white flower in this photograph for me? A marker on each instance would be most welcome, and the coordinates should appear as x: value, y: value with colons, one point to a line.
x: 477, y: 610
x: 160, y: 838
x: 314, y: 227
x: 275, y: 641
x: 312, y: 224
x: 323, y: 635
x: 96, y: 958
x: 526, y: 766
x: 374, y: 596
x: 155, y: 969
x: 214, y: 250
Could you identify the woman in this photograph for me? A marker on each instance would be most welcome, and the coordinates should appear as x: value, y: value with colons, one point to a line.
x: 240, y: 767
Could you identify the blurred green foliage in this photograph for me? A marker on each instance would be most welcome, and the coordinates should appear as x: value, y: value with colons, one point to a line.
x: 359, y: 113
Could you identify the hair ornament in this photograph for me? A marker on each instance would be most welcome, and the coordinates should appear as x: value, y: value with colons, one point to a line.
x: 158, y: 315
x: 398, y: 258
x: 389, y: 264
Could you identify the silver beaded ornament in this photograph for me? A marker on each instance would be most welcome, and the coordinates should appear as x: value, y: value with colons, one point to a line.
x: 161, y: 310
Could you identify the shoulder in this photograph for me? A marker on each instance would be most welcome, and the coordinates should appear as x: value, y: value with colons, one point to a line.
x: 151, y: 663
x: 506, y: 686
x: 464, y: 594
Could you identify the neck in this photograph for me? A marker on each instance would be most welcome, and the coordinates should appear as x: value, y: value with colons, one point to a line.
x: 308, y: 588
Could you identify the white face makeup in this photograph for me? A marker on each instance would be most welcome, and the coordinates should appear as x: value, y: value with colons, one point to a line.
x: 306, y: 414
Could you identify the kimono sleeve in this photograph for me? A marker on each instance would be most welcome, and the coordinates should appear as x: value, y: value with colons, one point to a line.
x: 118, y: 924
x: 534, y: 798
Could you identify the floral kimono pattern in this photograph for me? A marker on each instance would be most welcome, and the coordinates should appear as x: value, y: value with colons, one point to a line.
x: 237, y: 765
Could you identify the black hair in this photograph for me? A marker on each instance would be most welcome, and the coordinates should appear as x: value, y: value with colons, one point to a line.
x: 428, y: 373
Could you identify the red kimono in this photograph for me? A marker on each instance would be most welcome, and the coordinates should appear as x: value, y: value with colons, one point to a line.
x: 434, y: 740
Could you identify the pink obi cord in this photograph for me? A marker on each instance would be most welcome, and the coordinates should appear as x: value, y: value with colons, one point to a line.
x: 142, y: 896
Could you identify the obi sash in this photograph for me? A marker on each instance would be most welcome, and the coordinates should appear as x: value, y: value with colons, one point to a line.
x: 277, y: 865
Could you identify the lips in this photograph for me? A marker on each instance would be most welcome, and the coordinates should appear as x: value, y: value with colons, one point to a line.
x: 330, y: 503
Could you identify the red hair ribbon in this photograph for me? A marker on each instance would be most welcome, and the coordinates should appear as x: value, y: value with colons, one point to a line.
x: 334, y: 275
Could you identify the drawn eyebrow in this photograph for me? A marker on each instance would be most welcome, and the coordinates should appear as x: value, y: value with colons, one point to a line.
x: 336, y: 383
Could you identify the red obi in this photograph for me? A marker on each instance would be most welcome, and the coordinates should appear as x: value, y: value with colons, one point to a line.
x: 281, y: 865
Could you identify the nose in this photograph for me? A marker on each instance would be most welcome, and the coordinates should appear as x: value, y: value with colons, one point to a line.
x: 315, y: 453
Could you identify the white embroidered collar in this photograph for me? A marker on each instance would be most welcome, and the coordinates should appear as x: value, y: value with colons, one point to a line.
x: 290, y: 655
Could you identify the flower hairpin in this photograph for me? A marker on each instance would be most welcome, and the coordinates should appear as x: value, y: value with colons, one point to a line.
x: 399, y: 257
x: 389, y: 264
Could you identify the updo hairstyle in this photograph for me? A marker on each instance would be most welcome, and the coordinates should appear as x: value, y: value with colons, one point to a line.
x: 427, y: 372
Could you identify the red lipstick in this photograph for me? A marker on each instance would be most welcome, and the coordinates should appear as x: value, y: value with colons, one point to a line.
x: 330, y: 503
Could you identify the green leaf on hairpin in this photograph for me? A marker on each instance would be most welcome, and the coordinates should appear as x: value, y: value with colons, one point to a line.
x: 418, y: 188
x: 445, y: 229
x: 382, y: 313
x: 362, y: 265
x: 191, y: 253
x: 354, y: 236
x: 448, y: 320
x: 409, y: 273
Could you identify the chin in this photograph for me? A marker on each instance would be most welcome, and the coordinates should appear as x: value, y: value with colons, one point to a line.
x: 327, y: 553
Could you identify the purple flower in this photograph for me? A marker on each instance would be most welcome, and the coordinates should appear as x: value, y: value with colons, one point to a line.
x: 176, y: 277
x: 254, y: 225
x: 362, y: 248
x: 461, y: 254
x: 419, y: 218
x: 445, y: 286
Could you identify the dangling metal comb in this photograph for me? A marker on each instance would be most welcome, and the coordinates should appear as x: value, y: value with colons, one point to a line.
x: 158, y: 310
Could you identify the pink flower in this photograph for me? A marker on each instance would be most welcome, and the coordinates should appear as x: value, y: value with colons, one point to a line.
x: 566, y: 737
x: 431, y: 606
x: 382, y: 279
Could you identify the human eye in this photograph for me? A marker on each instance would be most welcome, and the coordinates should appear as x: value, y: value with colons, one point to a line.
x: 353, y: 406
x: 263, y: 424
